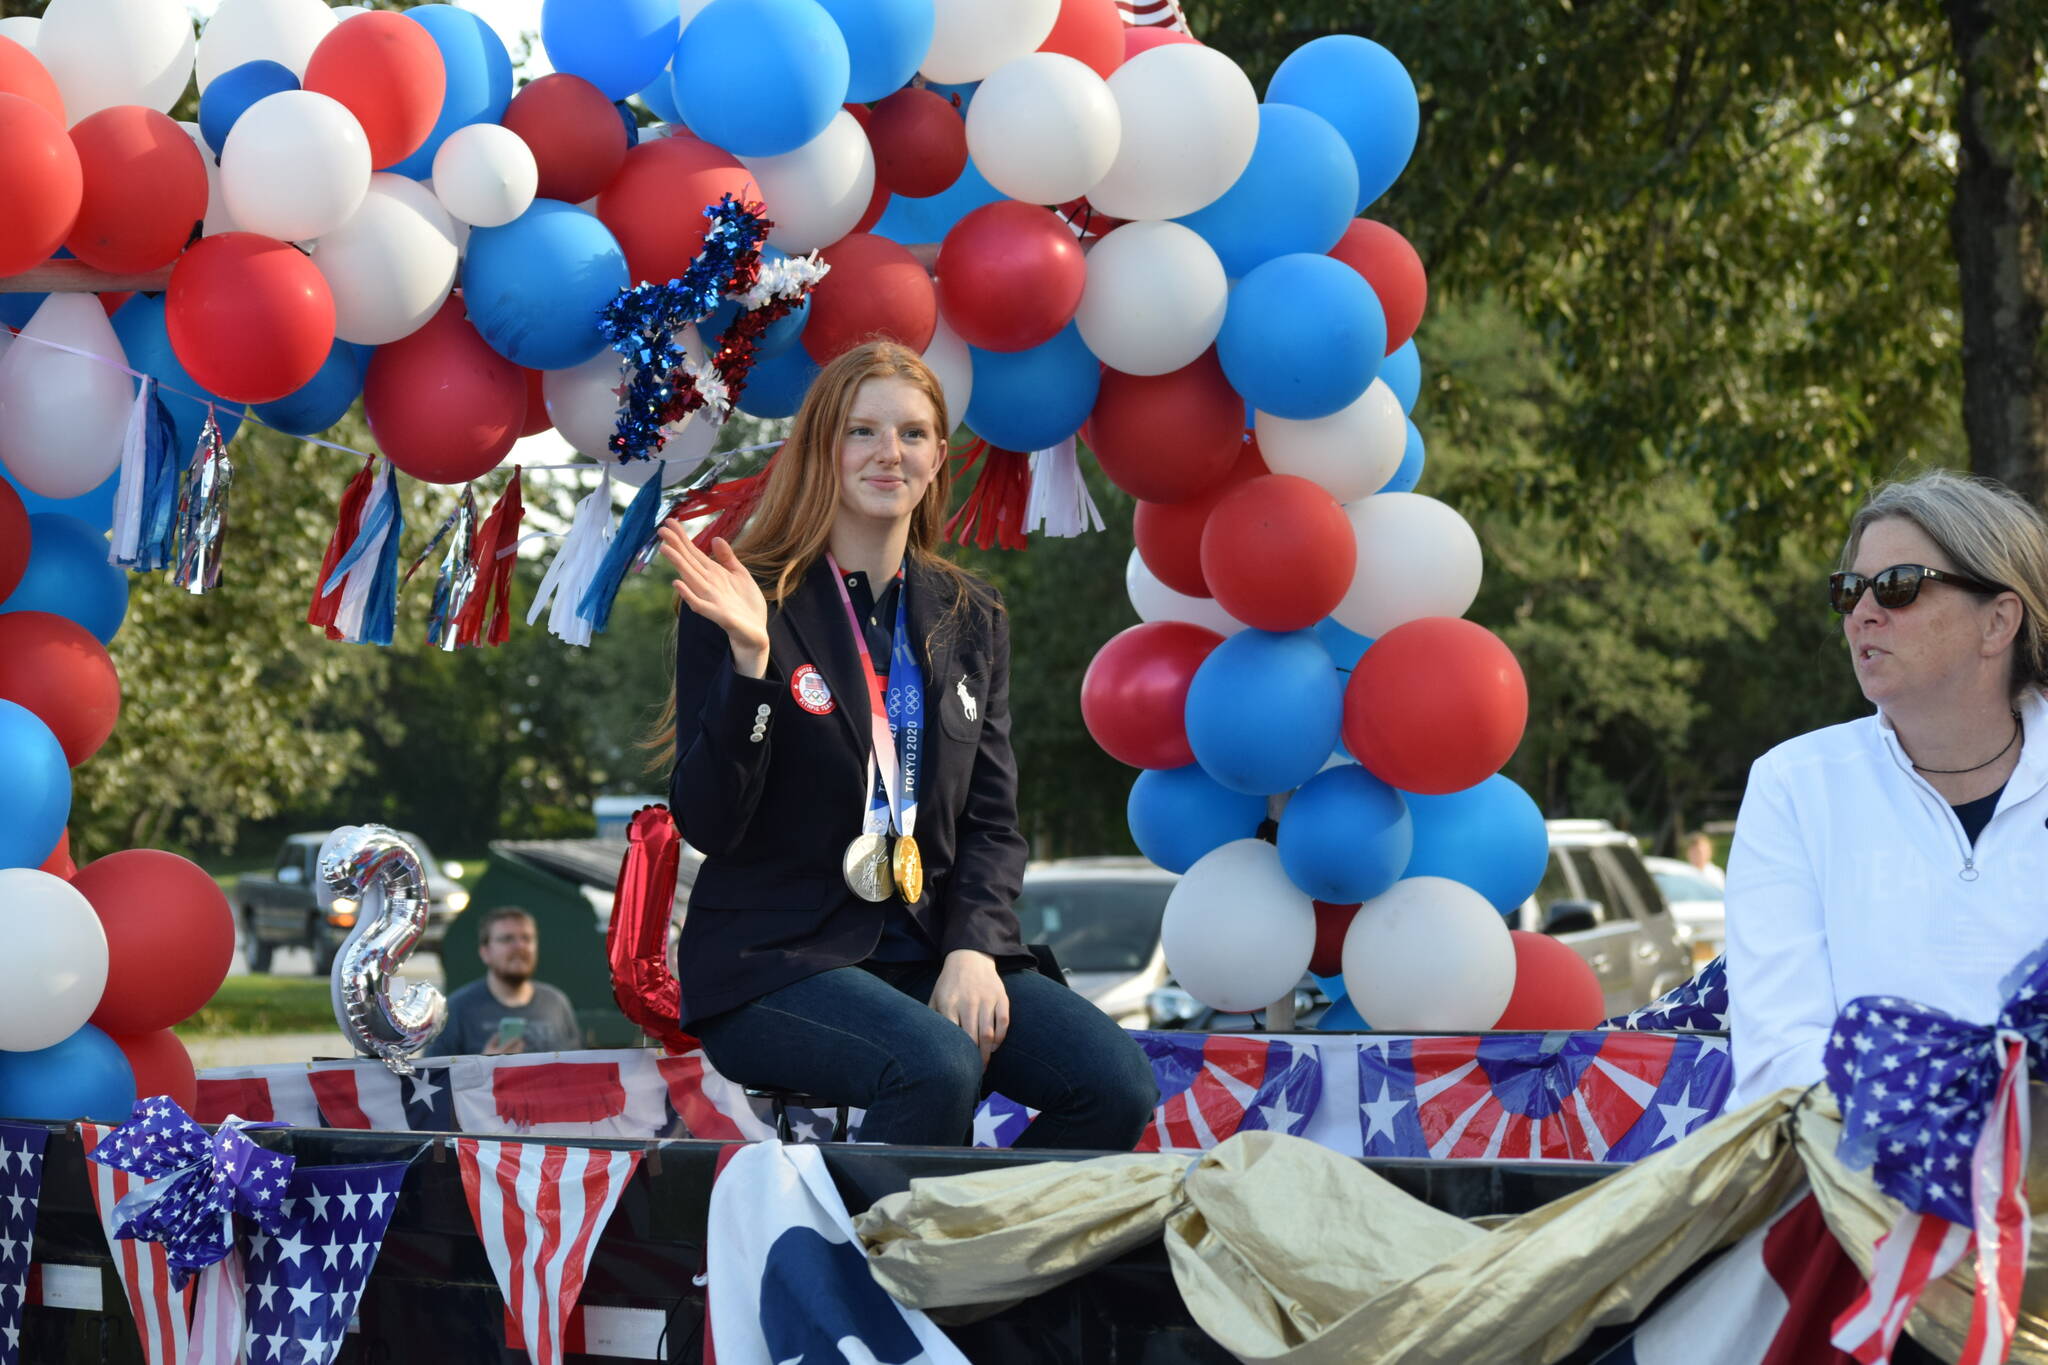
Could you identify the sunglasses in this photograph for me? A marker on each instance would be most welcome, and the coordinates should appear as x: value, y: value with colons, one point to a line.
x: 1897, y: 586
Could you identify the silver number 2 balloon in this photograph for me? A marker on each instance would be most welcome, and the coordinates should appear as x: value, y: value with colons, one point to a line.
x: 380, y: 870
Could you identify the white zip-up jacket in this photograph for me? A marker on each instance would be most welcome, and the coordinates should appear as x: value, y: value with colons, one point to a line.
x: 1850, y: 875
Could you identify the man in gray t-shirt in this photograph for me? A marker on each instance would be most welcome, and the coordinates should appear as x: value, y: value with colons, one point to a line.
x: 507, y: 1011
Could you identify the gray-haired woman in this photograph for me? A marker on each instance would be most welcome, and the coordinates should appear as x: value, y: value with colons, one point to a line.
x: 1905, y: 853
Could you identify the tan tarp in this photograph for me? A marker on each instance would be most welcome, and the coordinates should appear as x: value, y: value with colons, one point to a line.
x: 1286, y: 1251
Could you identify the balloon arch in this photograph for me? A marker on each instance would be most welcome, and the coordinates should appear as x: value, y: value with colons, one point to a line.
x: 1089, y: 223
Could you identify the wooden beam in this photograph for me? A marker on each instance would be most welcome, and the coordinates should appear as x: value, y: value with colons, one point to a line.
x: 76, y: 277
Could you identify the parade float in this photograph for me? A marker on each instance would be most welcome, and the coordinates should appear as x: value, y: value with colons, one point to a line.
x: 1103, y: 241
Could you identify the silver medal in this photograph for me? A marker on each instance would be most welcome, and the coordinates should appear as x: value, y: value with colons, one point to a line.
x: 866, y: 865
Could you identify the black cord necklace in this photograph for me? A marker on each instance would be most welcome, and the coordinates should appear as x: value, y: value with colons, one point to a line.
x: 1952, y: 772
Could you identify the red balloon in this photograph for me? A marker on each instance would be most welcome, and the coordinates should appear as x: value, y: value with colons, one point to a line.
x: 1167, y: 437
x: 920, y: 142
x: 14, y: 539
x: 39, y: 167
x: 444, y: 406
x: 59, y: 863
x: 21, y: 74
x: 170, y: 937
x: 537, y: 419
x: 1555, y: 988
x: 387, y: 71
x: 1089, y: 31
x: 59, y: 670
x: 577, y: 139
x: 1439, y: 711
x: 1135, y: 693
x: 112, y: 302
x: 1394, y: 271
x: 654, y: 205
x: 161, y: 1065
x: 875, y: 288
x: 1143, y: 38
x: 1169, y: 534
x: 1010, y: 276
x: 878, y: 204
x: 1332, y: 923
x: 145, y: 190
x: 250, y: 318
x: 1278, y: 552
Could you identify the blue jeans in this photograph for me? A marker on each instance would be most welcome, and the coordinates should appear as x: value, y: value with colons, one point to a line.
x: 865, y: 1036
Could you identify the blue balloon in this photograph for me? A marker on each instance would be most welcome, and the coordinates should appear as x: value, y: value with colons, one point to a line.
x: 910, y: 221
x: 1029, y: 400
x: 659, y: 95
x: 479, y: 78
x: 776, y: 385
x: 1490, y: 837
x: 1296, y: 195
x: 535, y: 286
x: 230, y: 93
x: 139, y: 323
x: 616, y: 45
x: 1403, y: 372
x: 1342, y: 1017
x: 1179, y: 814
x: 1345, y: 836
x: 95, y: 509
x: 35, y: 801
x: 1365, y: 93
x: 1346, y: 646
x: 885, y: 41
x: 322, y: 400
x: 68, y: 576
x: 17, y: 309
x: 1409, y: 472
x: 1303, y: 336
x: 759, y: 77
x: 781, y: 334
x: 84, y: 1077
x: 1263, y: 709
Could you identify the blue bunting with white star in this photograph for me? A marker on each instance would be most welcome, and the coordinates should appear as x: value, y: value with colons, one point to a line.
x: 1916, y: 1086
x: 21, y: 1188
x: 306, y: 1279
x: 203, y: 1180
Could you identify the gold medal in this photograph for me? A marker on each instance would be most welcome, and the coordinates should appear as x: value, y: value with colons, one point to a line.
x: 866, y: 865
x: 908, y: 864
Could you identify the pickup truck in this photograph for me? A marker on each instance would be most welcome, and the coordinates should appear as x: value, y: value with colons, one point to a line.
x: 283, y: 911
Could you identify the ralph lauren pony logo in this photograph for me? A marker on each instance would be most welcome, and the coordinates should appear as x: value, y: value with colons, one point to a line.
x: 967, y: 706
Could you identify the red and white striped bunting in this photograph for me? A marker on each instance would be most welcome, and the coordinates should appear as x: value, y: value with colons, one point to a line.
x: 162, y: 1314
x: 1152, y: 14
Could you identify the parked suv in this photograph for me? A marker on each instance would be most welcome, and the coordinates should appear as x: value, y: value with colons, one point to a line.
x: 282, y: 910
x: 1596, y: 896
x: 1101, y: 918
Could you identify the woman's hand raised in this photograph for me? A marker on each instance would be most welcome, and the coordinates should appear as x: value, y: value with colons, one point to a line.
x: 720, y: 589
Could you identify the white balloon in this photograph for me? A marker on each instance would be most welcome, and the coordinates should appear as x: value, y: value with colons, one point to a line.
x: 1351, y: 453
x: 1416, y: 558
x: 971, y: 38
x: 1043, y: 128
x: 582, y: 404
x: 342, y: 12
x: 295, y: 166
x: 107, y: 52
x: 391, y: 265
x: 281, y: 31
x: 1431, y: 955
x: 63, y: 417
x: 1237, y: 933
x: 1190, y: 119
x: 22, y: 29
x: 1154, y: 601
x: 816, y: 193
x: 1155, y: 297
x: 55, y: 967
x: 953, y: 363
x: 217, y: 216
x: 485, y: 174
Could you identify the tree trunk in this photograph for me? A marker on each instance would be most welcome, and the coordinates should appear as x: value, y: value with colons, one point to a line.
x: 1999, y: 229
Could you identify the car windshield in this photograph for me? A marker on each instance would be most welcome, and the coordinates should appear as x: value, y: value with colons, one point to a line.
x: 1684, y: 886
x: 1105, y: 925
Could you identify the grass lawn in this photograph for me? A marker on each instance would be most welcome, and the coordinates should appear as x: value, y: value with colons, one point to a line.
x: 265, y: 1004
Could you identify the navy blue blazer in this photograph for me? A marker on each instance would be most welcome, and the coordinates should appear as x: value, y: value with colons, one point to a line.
x: 771, y: 790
